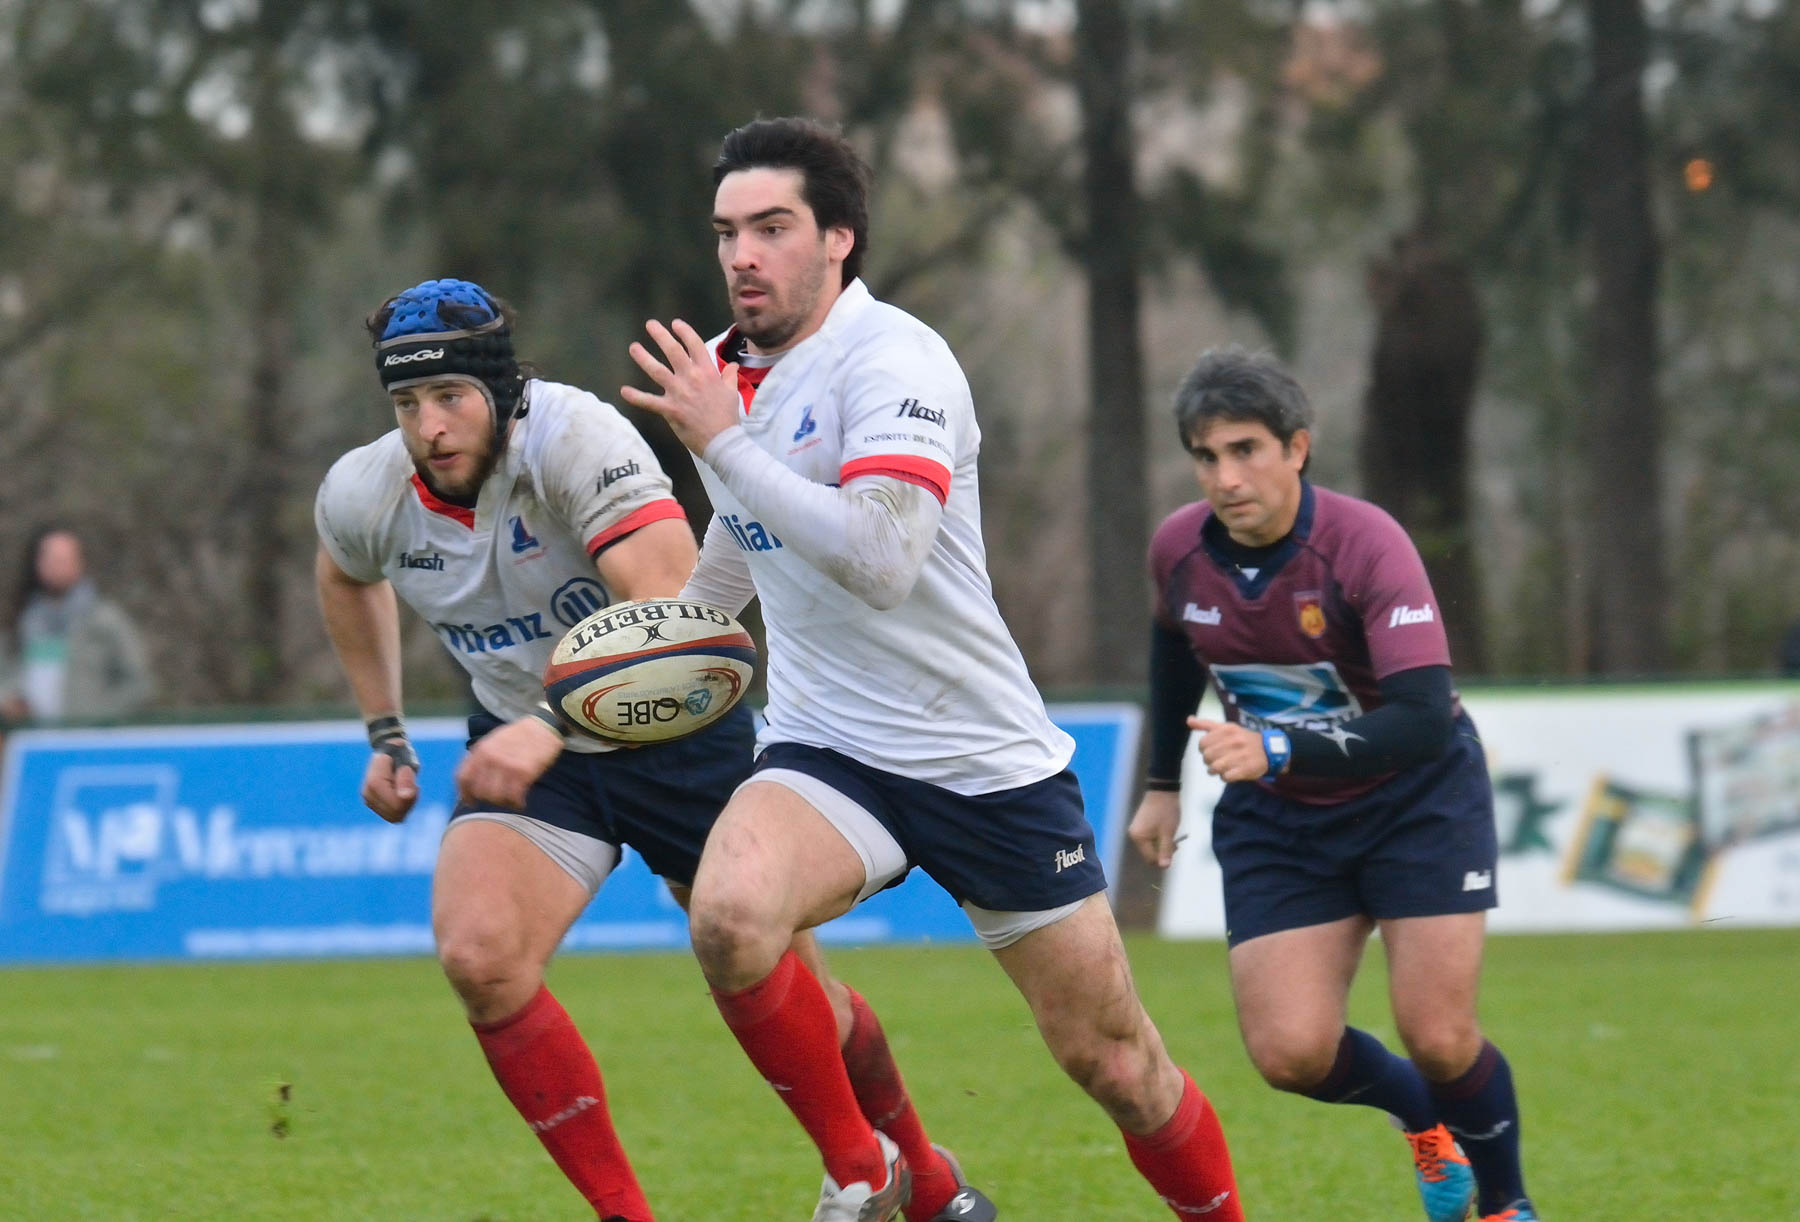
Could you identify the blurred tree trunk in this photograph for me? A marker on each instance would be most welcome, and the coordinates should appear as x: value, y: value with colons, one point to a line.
x: 1117, y: 496
x: 1118, y: 504
x: 1415, y: 440
x: 265, y: 490
x: 1624, y: 433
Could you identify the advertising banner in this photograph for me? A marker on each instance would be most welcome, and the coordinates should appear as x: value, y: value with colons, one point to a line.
x: 1643, y: 807
x: 250, y: 841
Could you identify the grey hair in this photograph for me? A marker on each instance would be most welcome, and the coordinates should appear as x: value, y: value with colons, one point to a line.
x: 1233, y: 383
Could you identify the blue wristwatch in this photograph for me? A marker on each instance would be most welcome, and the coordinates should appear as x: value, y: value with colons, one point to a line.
x: 1279, y: 749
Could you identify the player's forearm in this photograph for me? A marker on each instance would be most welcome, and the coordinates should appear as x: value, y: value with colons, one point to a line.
x: 1413, y: 726
x: 721, y: 576
x: 363, y: 622
x: 1176, y: 684
x: 871, y: 538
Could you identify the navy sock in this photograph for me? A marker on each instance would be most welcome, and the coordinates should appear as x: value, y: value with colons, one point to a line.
x: 1366, y: 1072
x: 1483, y: 1112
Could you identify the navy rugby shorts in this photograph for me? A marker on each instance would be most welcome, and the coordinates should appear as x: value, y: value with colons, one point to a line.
x: 1421, y: 844
x: 662, y: 800
x: 1027, y: 849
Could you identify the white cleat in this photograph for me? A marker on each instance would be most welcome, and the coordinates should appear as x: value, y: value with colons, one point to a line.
x: 862, y: 1201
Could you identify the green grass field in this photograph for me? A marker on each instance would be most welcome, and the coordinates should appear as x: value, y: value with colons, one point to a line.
x: 1659, y: 1073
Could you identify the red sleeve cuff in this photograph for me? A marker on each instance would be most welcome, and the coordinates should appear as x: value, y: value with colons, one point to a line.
x: 655, y: 511
x: 932, y: 476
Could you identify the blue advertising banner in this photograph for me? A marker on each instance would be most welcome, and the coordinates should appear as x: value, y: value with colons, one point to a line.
x: 251, y: 842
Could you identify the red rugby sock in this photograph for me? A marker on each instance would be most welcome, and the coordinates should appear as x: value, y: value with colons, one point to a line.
x: 786, y: 1026
x: 885, y: 1104
x: 545, y: 1068
x: 1186, y: 1161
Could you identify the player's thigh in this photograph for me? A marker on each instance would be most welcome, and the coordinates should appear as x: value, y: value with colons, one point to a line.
x: 1076, y: 978
x: 1434, y: 974
x: 1292, y: 987
x: 663, y: 799
x: 498, y: 896
x: 774, y: 859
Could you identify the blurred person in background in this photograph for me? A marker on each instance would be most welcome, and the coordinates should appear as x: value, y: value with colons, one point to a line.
x: 73, y: 655
x: 1357, y: 794
x: 1789, y: 657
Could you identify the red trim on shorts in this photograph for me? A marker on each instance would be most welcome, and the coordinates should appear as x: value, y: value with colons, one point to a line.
x: 934, y: 477
x: 438, y: 504
x: 655, y: 511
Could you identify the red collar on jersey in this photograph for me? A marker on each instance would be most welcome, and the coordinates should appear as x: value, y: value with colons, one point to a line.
x: 732, y: 348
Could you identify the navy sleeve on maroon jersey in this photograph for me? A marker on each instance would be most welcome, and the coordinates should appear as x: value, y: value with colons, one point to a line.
x: 1412, y: 726
x: 1387, y: 581
x: 1176, y: 684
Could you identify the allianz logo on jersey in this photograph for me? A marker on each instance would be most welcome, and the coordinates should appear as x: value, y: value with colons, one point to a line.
x: 490, y: 638
x: 1404, y: 615
x: 1193, y: 614
x: 751, y: 536
x: 573, y: 601
x: 117, y: 838
x: 808, y: 426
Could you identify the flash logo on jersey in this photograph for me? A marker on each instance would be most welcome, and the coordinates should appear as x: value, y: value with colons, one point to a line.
x: 612, y: 475
x: 1404, y: 615
x: 912, y: 409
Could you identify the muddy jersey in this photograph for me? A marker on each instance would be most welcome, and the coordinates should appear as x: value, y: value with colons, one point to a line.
x: 501, y: 583
x: 934, y: 689
x: 1301, y: 639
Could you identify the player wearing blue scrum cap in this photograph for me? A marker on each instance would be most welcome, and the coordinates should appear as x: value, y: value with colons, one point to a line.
x: 505, y: 508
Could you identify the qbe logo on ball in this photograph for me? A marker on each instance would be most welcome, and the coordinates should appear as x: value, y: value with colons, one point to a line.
x: 650, y: 671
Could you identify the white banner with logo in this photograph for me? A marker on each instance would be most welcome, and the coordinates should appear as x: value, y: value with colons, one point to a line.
x: 1642, y: 807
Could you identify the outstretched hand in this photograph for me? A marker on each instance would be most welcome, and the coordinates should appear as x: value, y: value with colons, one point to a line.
x: 698, y: 399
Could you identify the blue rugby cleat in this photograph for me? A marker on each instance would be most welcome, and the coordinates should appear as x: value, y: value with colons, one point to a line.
x: 1446, y: 1182
x: 1518, y: 1211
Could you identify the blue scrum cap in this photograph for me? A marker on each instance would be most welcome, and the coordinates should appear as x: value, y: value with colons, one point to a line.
x: 449, y: 328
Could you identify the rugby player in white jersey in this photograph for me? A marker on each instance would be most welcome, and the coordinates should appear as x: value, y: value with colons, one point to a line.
x: 838, y: 441
x: 504, y: 509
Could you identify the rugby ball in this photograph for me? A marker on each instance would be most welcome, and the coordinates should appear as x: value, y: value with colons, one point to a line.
x: 650, y: 671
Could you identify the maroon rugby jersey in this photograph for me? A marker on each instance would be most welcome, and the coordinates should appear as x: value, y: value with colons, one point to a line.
x: 1301, y: 640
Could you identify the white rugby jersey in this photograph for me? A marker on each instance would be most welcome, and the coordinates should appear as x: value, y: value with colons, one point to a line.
x: 501, y: 583
x: 934, y: 689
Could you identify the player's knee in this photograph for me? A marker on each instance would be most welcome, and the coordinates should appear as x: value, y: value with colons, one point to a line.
x: 1291, y: 1060
x: 732, y: 933
x: 1443, y: 1049
x: 1121, y: 1076
x: 1116, y: 1065
x: 480, y: 961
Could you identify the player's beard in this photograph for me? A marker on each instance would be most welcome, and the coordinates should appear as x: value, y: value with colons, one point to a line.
x: 463, y: 489
x: 772, y: 325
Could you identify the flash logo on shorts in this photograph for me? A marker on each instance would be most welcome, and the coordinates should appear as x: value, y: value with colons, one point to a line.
x: 1069, y: 858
